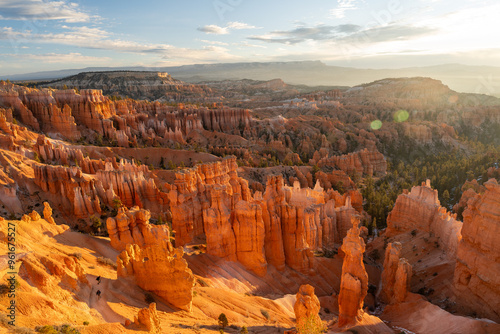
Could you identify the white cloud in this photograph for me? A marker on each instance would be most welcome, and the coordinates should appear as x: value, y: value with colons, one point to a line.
x: 240, y: 25
x: 343, y: 6
x: 213, y: 42
x: 40, y: 10
x: 95, y: 38
x: 216, y: 30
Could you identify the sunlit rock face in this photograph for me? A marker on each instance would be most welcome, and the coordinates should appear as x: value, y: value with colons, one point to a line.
x: 132, y: 227
x: 307, y: 306
x: 148, y: 317
x: 282, y: 226
x: 396, y: 276
x: 159, y: 268
x: 420, y: 209
x: 354, y: 282
x: 477, y: 272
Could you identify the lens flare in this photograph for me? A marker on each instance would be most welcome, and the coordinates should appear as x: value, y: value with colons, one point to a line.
x: 401, y: 116
x: 376, y: 124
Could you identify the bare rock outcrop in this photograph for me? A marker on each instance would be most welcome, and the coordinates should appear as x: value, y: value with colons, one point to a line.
x: 420, y: 209
x: 283, y: 226
x: 47, y: 213
x: 249, y: 231
x: 402, y: 281
x: 354, y: 281
x: 367, y: 162
x: 148, y: 317
x: 388, y: 279
x: 132, y: 227
x: 307, y: 307
x: 396, y: 275
x: 159, y: 268
x: 477, y: 272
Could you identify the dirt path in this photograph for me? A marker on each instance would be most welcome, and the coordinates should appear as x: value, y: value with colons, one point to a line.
x: 100, y: 303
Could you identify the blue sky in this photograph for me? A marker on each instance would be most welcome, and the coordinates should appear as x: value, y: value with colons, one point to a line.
x: 38, y: 35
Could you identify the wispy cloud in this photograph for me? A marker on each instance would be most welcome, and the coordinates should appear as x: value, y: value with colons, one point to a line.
x: 42, y: 10
x: 342, y: 7
x: 301, y: 34
x: 95, y: 38
x: 213, y: 42
x: 344, y: 33
x: 217, y: 30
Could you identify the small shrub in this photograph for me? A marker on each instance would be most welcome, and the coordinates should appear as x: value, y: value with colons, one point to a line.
x: 202, y: 283
x: 96, y: 223
x: 311, y: 326
x: 265, y: 314
x: 86, y: 323
x: 106, y: 261
x: 223, y: 321
x: 221, y: 331
x: 47, y: 329
x: 63, y: 329
x: 244, y: 330
x: 4, y: 289
x: 4, y: 320
x: 413, y: 232
x: 149, y: 298
x: 67, y: 329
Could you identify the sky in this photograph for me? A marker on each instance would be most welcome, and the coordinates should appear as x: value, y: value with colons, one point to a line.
x: 41, y: 35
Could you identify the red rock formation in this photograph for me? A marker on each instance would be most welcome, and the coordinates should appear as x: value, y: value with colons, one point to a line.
x: 284, y: 226
x: 51, y: 118
x: 388, y: 279
x: 477, y: 273
x: 10, y: 99
x: 68, y: 187
x: 307, y: 307
x: 148, y: 317
x: 249, y: 231
x: 47, y: 213
x: 354, y: 283
x: 469, y: 190
x: 221, y: 241
x: 272, y: 200
x: 396, y: 275
x: 402, y: 282
x: 132, y: 227
x: 161, y: 269
x: 367, y: 162
x: 420, y: 209
x: 194, y: 192
x: 46, y: 271
x: 419, y: 132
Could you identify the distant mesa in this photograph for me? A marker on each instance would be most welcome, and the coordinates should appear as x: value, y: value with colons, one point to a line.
x: 140, y: 85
